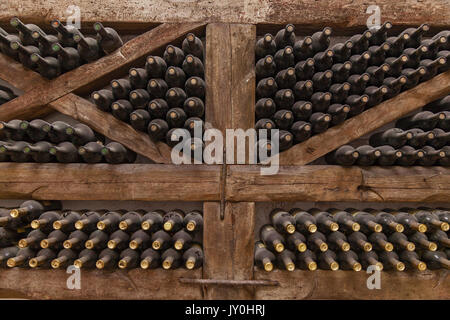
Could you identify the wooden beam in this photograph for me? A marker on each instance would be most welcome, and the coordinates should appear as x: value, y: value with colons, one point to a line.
x: 135, y: 284
x: 148, y: 182
x: 93, y: 74
x: 335, y: 183
x: 355, y: 127
x: 228, y: 246
x: 105, y: 123
x: 349, y: 285
x: 313, y: 14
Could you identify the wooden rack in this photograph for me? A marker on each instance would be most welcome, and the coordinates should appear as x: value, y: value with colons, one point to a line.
x: 228, y: 192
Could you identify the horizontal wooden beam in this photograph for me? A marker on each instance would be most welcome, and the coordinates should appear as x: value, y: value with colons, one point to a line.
x: 94, y: 74
x: 314, y: 14
x: 350, y: 285
x: 146, y: 182
x: 135, y: 284
x: 335, y: 183
x: 364, y: 123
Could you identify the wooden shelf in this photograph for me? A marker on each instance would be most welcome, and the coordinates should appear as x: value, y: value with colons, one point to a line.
x: 102, y: 284
x: 350, y: 285
x: 149, y: 182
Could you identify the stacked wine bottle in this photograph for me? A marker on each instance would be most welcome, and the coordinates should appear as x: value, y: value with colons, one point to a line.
x: 54, y: 54
x: 41, y: 234
x: 306, y: 86
x: 6, y: 94
x: 167, y: 94
x: 421, y: 139
x: 353, y: 239
x: 40, y: 141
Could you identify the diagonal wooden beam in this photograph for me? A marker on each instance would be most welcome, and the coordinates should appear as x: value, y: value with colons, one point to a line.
x: 46, y: 91
x: 367, y: 121
x: 86, y: 112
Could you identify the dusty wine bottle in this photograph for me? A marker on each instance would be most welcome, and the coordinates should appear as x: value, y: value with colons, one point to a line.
x: 87, y: 47
x: 45, y: 43
x: 348, y: 260
x: 54, y: 240
x: 401, y: 242
x: 327, y: 261
x: 65, y: 258
x: 301, y: 130
x: 171, y: 259
x: 76, y: 240
x: 156, y: 67
x: 344, y: 156
x: 391, y: 261
x: 109, y: 222
x: 30, y: 210
x: 321, y: 40
x: 139, y: 119
x: 86, y: 259
x: 7, y: 253
x: 345, y: 220
x: 65, y: 33
x: 26, y: 31
x: 285, y: 37
x: 286, y: 260
x: 193, y: 221
x: 368, y: 155
x: 181, y: 240
x: 129, y: 259
x: 306, y: 260
x: 116, y: 153
x: 265, y: 46
x: 46, y: 220
x: 380, y: 242
x: 150, y: 259
x: 24, y: 54
x: 42, y: 259
x: 108, y: 38
x: 193, y: 66
x: 337, y: 241
x: 317, y: 242
x: 412, y: 260
x: 139, y: 240
x: 304, y: 70
x: 32, y: 240
x: 118, y: 240
x: 193, y: 257
x: 421, y: 241
x: 161, y: 240
x: 359, y: 242
x: 284, y: 58
x: 39, y: 152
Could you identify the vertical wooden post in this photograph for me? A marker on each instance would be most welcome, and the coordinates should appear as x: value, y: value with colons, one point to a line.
x: 228, y: 227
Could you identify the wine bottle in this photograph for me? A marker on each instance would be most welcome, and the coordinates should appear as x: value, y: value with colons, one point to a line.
x: 286, y: 140
x: 266, y: 88
x: 343, y: 156
x: 394, y: 137
x: 139, y: 119
x: 320, y: 101
x: 391, y: 261
x: 380, y: 242
x: 156, y: 67
x: 175, y: 77
x: 324, y: 220
x: 14, y: 152
x: 39, y: 152
x: 322, y: 80
x: 284, y: 58
x: 386, y: 220
x: 367, y: 221
x: 264, y: 108
x: 282, y: 221
x: 98, y: 240
x: 67, y: 220
x: 65, y: 33
x: 5, y: 45
x: 304, y: 69
x: 25, y: 31
x: 339, y: 92
x: 129, y: 259
x: 193, y: 257
x: 321, y: 40
x: 319, y: 122
x: 414, y: 56
x: 327, y: 261
x: 341, y: 71
x: 193, y: 221
x: 397, y: 45
x: 7, y: 253
x: 173, y: 56
x: 440, y: 237
x: 368, y: 155
x: 342, y: 51
x: 377, y: 74
x: 401, y: 242
x: 304, y: 221
x: 359, y: 62
x: 317, y: 242
x: 444, y: 122
x: 131, y: 221
x: 65, y: 258
x: 286, y: 260
x: 323, y: 60
x: 444, y: 161
x: 161, y: 240
x: 348, y: 260
x: 118, y: 240
x: 396, y: 65
x: 194, y: 107
x: 413, y: 77
x: 31, y: 209
x: 436, y: 260
x: 302, y: 110
x: 296, y: 242
x: 80, y: 134
x: 193, y: 45
x: 265, y: 46
x: 176, y: 135
x: 103, y: 99
x: 337, y: 241
x: 193, y: 66
x: 440, y: 139
x: 109, y: 222
x: 415, y: 35
x: 76, y: 240
x: 88, y: 220
x: 138, y: 78
x: 176, y: 117
x: 359, y: 242
x: 42, y: 259
x: 54, y: 240
x: 272, y: 239
x: 303, y: 90
x: 37, y: 130
x: 370, y: 259
x: 173, y: 220
x: 32, y: 240
x: 45, y: 221
x: 306, y: 260
x: 394, y: 86
x: 283, y: 119
x: 301, y: 130
x: 87, y: 47
x: 24, y: 53
x: 379, y: 35
x: 86, y: 259
x: 150, y: 259
x: 45, y: 43
x: 284, y: 99
x: 412, y: 260
x: 285, y: 37
x: 378, y: 53
x: 421, y: 240
x: 116, y: 153
x: 171, y: 259
x: 158, y: 108
x: 445, y: 45
x: 91, y: 152
x: 375, y: 95
x: 442, y: 213
x: 345, y: 220
x: 181, y: 240
x: 121, y: 88
x: 108, y: 38
x: 139, y: 240
x: 286, y: 78
x: 196, y: 87
x: 358, y: 83
x: 265, y: 124
x: 21, y: 258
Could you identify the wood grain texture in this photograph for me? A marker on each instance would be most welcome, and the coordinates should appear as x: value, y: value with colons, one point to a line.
x: 228, y: 246
x: 105, y: 123
x: 95, y: 73
x: 135, y: 13
x: 109, y: 182
x: 335, y: 183
x: 349, y: 285
x: 355, y: 127
x: 103, y: 285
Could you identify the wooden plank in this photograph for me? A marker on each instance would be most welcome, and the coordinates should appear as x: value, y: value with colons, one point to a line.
x: 342, y: 13
x: 105, y: 123
x: 93, y: 74
x: 349, y: 285
x: 149, y: 182
x: 102, y: 285
x: 353, y: 128
x: 228, y: 246
x: 335, y: 183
